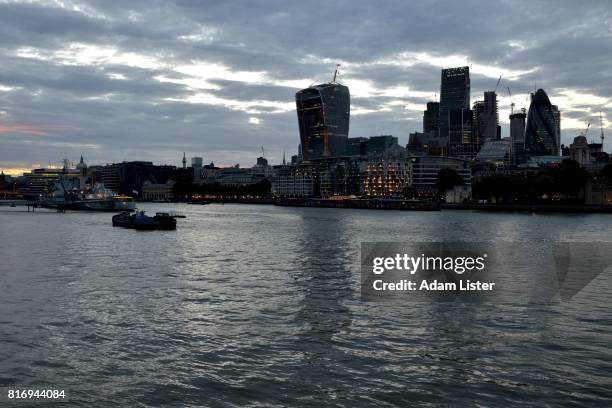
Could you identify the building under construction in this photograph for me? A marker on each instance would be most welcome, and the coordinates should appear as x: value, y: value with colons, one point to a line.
x: 323, y: 116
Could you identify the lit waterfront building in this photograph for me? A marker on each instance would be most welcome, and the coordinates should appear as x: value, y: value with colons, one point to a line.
x: 158, y: 192
x: 294, y: 180
x: 41, y: 182
x: 323, y: 117
x: 386, y: 175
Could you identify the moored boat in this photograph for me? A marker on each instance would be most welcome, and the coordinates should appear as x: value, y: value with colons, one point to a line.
x: 140, y: 221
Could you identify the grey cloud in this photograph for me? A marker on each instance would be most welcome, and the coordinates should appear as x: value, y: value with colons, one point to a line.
x: 244, y: 91
x: 569, y: 46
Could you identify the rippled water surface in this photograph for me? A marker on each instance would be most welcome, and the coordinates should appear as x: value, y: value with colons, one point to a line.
x: 248, y: 305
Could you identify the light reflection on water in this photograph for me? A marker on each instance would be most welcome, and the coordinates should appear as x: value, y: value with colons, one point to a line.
x: 260, y: 305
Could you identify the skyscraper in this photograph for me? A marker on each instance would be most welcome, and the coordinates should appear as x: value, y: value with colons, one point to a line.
x: 486, y: 119
x: 541, y: 133
x: 323, y: 117
x: 478, y: 122
x: 431, y: 117
x: 454, y: 95
x: 557, y: 115
x: 490, y: 117
x: 517, y: 136
x: 460, y: 127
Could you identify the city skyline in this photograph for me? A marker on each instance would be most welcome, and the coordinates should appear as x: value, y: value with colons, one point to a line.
x: 117, y: 84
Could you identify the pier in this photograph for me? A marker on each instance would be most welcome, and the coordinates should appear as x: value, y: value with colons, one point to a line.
x: 33, y: 204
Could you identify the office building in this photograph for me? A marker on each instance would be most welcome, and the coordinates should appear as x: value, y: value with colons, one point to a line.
x: 517, y: 136
x: 323, y: 117
x: 128, y: 177
x: 428, y: 143
x: 357, y: 146
x: 295, y: 180
x: 491, y: 130
x: 431, y: 117
x: 454, y: 96
x: 373, y: 145
x: 541, y: 132
x: 196, y: 165
x: 338, y: 177
x: 460, y: 134
x: 158, y: 192
x: 478, y: 121
x: 387, y: 174
x: 41, y: 182
x: 425, y: 170
x: 497, y: 152
x: 557, y: 115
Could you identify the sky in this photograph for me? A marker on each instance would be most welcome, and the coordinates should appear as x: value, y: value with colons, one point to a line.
x: 148, y: 80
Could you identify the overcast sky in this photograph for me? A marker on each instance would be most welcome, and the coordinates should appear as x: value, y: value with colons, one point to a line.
x: 146, y: 80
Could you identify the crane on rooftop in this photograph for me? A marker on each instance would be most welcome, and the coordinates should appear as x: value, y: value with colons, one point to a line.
x: 587, y: 129
x: 498, y: 81
x: 336, y: 72
x: 602, y: 132
x: 511, y: 101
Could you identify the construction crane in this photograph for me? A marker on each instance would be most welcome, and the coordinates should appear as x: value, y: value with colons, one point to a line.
x: 587, y: 129
x: 527, y: 99
x: 336, y: 73
x: 511, y: 101
x: 498, y: 81
x: 601, y: 125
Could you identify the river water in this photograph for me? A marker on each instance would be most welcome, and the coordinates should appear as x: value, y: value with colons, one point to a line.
x: 255, y: 305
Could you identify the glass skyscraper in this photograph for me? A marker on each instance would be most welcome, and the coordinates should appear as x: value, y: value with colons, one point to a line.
x: 541, y: 138
x: 454, y: 96
x: 323, y: 117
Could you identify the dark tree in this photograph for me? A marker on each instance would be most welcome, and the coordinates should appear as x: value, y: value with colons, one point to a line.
x: 606, y: 172
x: 570, y: 178
x: 447, y: 179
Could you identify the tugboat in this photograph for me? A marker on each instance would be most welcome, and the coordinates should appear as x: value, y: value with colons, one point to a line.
x: 140, y: 221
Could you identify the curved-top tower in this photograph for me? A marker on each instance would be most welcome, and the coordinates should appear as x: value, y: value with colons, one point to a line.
x: 541, y: 138
x: 323, y: 116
